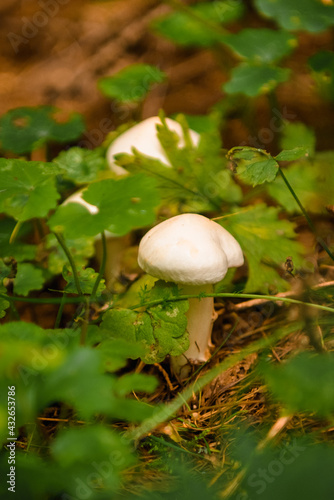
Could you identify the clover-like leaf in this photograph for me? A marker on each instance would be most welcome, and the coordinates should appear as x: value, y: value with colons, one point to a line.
x: 28, y: 277
x: 24, y: 129
x: 266, y: 242
x: 81, y: 165
x: 87, y: 278
x: 123, y: 204
x: 261, y: 45
x: 186, y: 29
x: 132, y: 83
x: 291, y: 154
x: 308, y: 15
x: 255, y: 79
x: 253, y: 166
x: 27, y: 189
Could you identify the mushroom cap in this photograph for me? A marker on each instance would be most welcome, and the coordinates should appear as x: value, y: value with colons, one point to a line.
x: 77, y: 198
x: 143, y: 137
x: 189, y: 249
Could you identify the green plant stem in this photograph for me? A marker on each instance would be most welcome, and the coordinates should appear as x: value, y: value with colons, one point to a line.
x: 102, y: 267
x: 310, y: 223
x: 62, y: 243
x: 234, y: 296
x: 51, y: 300
x: 15, y: 231
x: 166, y: 412
x: 60, y: 311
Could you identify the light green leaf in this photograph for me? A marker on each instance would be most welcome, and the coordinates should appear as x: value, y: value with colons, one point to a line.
x: 308, y: 15
x: 131, y: 83
x: 303, y: 383
x: 28, y: 277
x: 87, y: 278
x: 312, y: 181
x: 18, y: 250
x: 291, y: 154
x: 81, y: 249
x: 184, y: 29
x: 266, y: 242
x: 4, y: 304
x: 255, y: 79
x: 261, y: 44
x: 27, y: 189
x: 81, y: 165
x: 24, y: 129
x: 124, y: 204
x: 135, y: 382
x: 253, y: 166
x: 297, y: 134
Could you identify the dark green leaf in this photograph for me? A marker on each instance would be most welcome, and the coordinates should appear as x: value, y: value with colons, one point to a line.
x: 322, y: 64
x: 261, y: 45
x: 81, y: 165
x: 28, y: 277
x: 81, y: 249
x: 303, y: 383
x: 135, y: 382
x: 253, y: 79
x: 308, y: 15
x: 124, y: 204
x: 4, y: 304
x: 185, y: 29
x: 87, y: 278
x: 253, y: 166
x: 131, y: 83
x: 291, y: 154
x: 116, y: 352
x: 24, y: 129
x: 27, y: 189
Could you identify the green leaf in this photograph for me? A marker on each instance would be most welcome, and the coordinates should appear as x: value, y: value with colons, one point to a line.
x: 296, y: 135
x: 116, y: 352
x: 87, y: 278
x: 266, y: 242
x: 4, y: 304
x: 312, y: 180
x: 24, y: 129
x: 303, y: 383
x: 28, y: 277
x: 124, y: 204
x: 162, y: 329
x: 261, y: 45
x: 81, y: 165
x: 18, y: 250
x: 135, y: 382
x: 27, y: 189
x: 322, y: 64
x: 308, y: 15
x: 253, y: 166
x: 291, y: 154
x: 131, y: 83
x: 81, y: 249
x: 185, y: 29
x: 255, y: 79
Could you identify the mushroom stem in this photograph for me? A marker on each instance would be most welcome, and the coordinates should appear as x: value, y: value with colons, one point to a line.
x: 200, y: 321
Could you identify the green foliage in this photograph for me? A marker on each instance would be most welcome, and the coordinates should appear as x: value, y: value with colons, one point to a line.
x: 303, y: 383
x: 161, y: 329
x: 308, y: 15
x: 311, y: 179
x: 253, y: 166
x: 81, y: 165
x: 4, y: 304
x: 18, y: 250
x: 27, y: 189
x: 261, y: 45
x: 253, y: 79
x: 266, y: 242
x: 124, y: 204
x: 24, y: 129
x: 296, y: 135
x: 81, y: 249
x: 132, y: 83
x: 87, y: 278
x: 190, y: 27
x: 28, y: 277
x: 322, y: 65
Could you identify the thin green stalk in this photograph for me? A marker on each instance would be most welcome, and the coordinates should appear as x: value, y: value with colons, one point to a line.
x: 51, y: 300
x: 234, y: 296
x: 15, y: 231
x: 310, y: 223
x: 102, y: 267
x: 62, y: 243
x: 60, y: 311
x: 168, y: 411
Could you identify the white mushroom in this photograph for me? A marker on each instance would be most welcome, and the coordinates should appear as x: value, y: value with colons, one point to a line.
x: 116, y: 245
x: 143, y: 137
x: 194, y: 252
